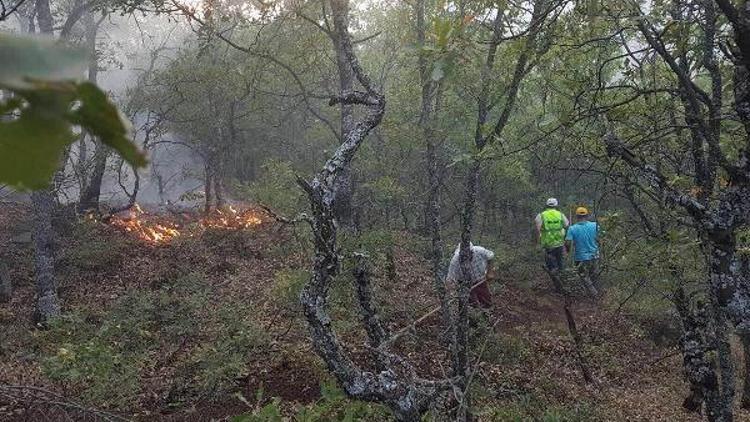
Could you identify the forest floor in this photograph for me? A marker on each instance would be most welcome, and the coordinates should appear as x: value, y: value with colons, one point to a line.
x: 206, y: 326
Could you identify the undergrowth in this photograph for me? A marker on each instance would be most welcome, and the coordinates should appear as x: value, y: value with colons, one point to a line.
x: 102, y: 359
x: 333, y: 405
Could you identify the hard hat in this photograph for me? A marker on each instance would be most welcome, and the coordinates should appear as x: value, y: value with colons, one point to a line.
x: 552, y: 202
x: 582, y: 211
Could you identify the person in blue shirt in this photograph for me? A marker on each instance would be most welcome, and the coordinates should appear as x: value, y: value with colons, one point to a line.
x: 583, y: 235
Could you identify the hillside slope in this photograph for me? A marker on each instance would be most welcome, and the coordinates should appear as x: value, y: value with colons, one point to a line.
x: 206, y: 326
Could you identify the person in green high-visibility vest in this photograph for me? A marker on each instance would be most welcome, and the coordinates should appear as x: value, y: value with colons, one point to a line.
x: 550, y: 226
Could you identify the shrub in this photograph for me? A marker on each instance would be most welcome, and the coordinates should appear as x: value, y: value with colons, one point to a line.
x: 332, y: 406
x: 378, y: 243
x: 579, y: 413
x: 530, y: 408
x: 335, y: 406
x: 101, y: 369
x: 89, y: 250
x: 219, y: 363
x: 277, y: 188
x: 101, y: 357
x: 287, y: 286
x: 386, y: 192
x: 502, y: 349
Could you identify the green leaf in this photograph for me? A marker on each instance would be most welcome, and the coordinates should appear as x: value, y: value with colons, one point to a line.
x: 24, y: 58
x: 47, y: 101
x: 32, y: 141
x: 270, y: 412
x: 9, y: 106
x: 460, y: 159
x: 31, y: 146
x: 97, y: 114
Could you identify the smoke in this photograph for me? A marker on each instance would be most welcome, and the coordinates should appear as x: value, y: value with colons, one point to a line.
x: 174, y: 176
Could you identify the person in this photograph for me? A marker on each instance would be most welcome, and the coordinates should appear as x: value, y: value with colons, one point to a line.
x: 481, y: 269
x: 583, y: 236
x: 550, y: 228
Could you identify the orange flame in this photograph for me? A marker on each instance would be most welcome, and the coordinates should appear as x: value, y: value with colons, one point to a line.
x: 138, y: 223
x: 232, y: 219
x: 155, y: 230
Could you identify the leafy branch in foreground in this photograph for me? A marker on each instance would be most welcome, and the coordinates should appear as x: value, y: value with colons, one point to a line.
x: 45, y: 104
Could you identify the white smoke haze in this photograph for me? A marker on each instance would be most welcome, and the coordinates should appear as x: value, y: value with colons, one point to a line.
x: 127, y: 46
x: 173, y: 177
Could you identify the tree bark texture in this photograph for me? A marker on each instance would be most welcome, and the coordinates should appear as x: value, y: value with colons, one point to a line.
x: 430, y: 108
x: 47, y: 306
x: 746, y: 371
x: 375, y: 329
x: 6, y: 286
x: 43, y: 202
x: 699, y: 369
x: 718, y: 220
x: 395, y: 383
x: 342, y: 206
x: 208, y: 190
x: 92, y: 187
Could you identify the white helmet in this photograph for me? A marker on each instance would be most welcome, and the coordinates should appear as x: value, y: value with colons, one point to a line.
x: 552, y: 202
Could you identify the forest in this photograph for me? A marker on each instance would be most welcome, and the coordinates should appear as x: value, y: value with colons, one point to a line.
x: 374, y: 210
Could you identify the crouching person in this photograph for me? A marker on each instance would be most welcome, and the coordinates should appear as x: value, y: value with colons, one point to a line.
x: 481, y: 269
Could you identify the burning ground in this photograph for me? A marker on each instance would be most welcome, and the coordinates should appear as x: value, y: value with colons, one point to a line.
x: 179, y: 317
x: 155, y: 229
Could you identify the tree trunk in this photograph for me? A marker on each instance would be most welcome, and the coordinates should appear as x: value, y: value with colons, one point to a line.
x: 342, y: 205
x: 376, y: 331
x: 92, y: 191
x: 218, y: 180
x: 48, y: 305
x: 700, y: 371
x: 726, y: 278
x: 461, y: 337
x: 431, y: 95
x: 726, y: 364
x: 208, y: 189
x: 745, y: 337
x: 481, y: 139
x: 44, y: 17
x: 6, y: 287
x: 92, y: 187
x: 396, y: 384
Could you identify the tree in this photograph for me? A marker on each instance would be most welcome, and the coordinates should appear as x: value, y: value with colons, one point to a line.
x: 396, y: 383
x: 42, y: 110
x: 717, y: 200
x: 91, y: 181
x: 483, y: 138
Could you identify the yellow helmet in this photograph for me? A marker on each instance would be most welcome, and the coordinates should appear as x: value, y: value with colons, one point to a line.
x: 582, y: 211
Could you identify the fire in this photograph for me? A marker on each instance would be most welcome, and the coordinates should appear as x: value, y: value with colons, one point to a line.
x: 156, y: 230
x: 232, y: 219
x: 143, y: 226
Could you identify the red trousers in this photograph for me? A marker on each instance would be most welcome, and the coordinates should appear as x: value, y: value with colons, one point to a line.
x: 481, y: 296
